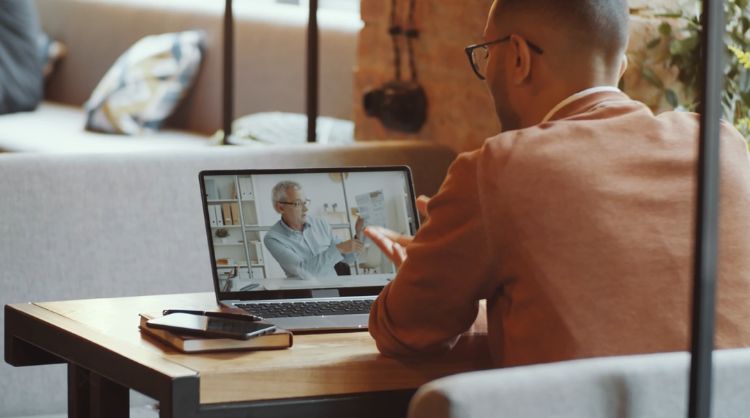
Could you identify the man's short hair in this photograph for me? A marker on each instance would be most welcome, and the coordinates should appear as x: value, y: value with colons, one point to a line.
x: 278, y: 193
x: 598, y: 24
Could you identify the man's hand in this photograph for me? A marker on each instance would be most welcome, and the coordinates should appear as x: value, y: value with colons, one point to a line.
x: 358, y: 227
x: 350, y: 246
x: 422, y: 202
x: 391, y: 243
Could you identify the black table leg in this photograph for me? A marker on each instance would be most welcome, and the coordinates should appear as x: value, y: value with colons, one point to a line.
x: 108, y: 399
x: 182, y: 400
x: 94, y: 396
x: 78, y: 392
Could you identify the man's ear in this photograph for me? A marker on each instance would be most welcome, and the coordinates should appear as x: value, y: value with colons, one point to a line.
x: 521, y: 56
x: 623, y: 65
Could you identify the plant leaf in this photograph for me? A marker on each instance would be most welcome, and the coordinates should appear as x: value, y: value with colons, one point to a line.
x: 680, y: 30
x: 651, y: 77
x: 671, y: 97
x: 742, y: 56
x: 665, y: 29
x: 653, y: 43
x: 669, y: 15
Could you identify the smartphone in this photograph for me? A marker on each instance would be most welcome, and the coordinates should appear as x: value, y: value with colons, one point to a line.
x: 207, y: 326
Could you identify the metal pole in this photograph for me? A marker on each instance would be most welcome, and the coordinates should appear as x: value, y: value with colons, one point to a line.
x: 228, y: 88
x: 312, y: 71
x: 707, y: 210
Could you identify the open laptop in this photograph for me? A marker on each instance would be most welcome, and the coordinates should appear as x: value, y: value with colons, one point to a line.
x: 287, y: 256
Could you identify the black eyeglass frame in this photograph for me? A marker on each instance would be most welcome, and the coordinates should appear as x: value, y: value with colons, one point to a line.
x: 297, y: 204
x: 470, y: 51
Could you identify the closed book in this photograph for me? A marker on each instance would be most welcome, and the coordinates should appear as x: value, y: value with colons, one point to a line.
x: 257, y: 255
x: 218, y: 216
x: 212, y: 215
x: 246, y: 188
x: 226, y: 211
x: 192, y: 344
x: 258, y: 272
x: 234, y: 208
x: 212, y: 192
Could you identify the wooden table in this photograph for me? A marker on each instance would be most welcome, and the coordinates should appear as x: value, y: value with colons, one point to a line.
x: 333, y: 374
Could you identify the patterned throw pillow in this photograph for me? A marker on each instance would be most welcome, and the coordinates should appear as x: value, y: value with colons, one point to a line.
x: 281, y: 128
x: 145, y: 84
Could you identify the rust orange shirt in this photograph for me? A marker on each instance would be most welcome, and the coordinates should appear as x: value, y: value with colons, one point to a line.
x: 579, y: 234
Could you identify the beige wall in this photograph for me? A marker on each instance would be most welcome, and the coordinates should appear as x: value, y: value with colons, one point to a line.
x: 461, y: 114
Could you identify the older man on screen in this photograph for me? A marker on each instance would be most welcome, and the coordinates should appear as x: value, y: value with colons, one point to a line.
x: 305, y: 247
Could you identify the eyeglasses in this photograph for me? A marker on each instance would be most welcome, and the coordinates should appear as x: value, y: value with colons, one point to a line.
x: 479, y: 53
x: 297, y: 203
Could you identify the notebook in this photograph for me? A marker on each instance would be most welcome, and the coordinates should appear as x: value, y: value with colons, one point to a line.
x: 287, y: 245
x: 192, y: 344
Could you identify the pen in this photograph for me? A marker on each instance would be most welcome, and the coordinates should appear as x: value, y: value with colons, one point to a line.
x: 229, y: 315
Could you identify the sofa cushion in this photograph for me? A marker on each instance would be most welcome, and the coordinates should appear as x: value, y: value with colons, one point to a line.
x: 58, y: 128
x: 20, y: 68
x: 283, y: 128
x: 145, y: 85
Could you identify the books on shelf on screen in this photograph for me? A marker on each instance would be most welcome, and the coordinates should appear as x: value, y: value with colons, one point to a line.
x: 192, y: 344
x: 226, y: 210
x: 257, y: 253
x: 246, y: 188
x: 217, y: 214
x: 234, y: 209
x: 212, y: 192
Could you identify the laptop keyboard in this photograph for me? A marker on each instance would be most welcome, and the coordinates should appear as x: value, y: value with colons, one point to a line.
x: 309, y: 308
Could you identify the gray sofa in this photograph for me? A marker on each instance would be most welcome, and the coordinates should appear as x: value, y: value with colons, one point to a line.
x: 643, y: 386
x: 270, y: 69
x: 107, y: 225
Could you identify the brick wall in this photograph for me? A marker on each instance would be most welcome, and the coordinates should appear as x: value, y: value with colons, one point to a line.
x: 461, y: 114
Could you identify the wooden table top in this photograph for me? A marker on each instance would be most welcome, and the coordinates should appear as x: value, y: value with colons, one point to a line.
x: 317, y: 364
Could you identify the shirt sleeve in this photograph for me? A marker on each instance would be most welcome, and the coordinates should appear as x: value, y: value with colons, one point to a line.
x: 292, y: 263
x: 435, y: 295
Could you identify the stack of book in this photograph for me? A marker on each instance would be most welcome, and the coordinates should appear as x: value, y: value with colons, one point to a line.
x: 192, y: 344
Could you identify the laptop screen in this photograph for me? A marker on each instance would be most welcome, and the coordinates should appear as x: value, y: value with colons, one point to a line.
x: 298, y: 233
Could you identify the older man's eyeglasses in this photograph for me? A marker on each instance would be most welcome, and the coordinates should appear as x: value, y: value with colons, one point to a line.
x: 479, y: 53
x: 297, y: 203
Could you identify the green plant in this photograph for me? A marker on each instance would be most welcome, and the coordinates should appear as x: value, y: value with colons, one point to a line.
x: 680, y: 33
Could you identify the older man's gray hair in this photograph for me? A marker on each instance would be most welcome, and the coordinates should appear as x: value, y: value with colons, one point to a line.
x: 278, y: 193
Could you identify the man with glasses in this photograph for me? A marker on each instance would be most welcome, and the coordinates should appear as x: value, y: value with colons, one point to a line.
x: 575, y: 223
x: 305, y: 247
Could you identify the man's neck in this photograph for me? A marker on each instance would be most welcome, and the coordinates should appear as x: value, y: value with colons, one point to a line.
x: 553, y: 93
x: 296, y: 227
x: 574, y: 97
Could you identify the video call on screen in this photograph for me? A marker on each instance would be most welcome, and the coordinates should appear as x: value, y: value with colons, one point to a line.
x: 256, y: 249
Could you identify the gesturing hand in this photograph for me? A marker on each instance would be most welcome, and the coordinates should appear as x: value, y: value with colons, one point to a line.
x: 422, y: 202
x: 350, y: 246
x: 391, y: 243
x: 358, y: 227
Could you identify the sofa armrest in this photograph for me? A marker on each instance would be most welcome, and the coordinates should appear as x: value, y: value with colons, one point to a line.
x: 649, y: 385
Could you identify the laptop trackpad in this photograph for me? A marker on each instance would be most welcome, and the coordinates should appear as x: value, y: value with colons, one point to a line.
x: 325, y: 293
x: 322, y: 323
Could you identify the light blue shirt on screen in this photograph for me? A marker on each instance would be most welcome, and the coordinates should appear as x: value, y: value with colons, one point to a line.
x: 307, y: 254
